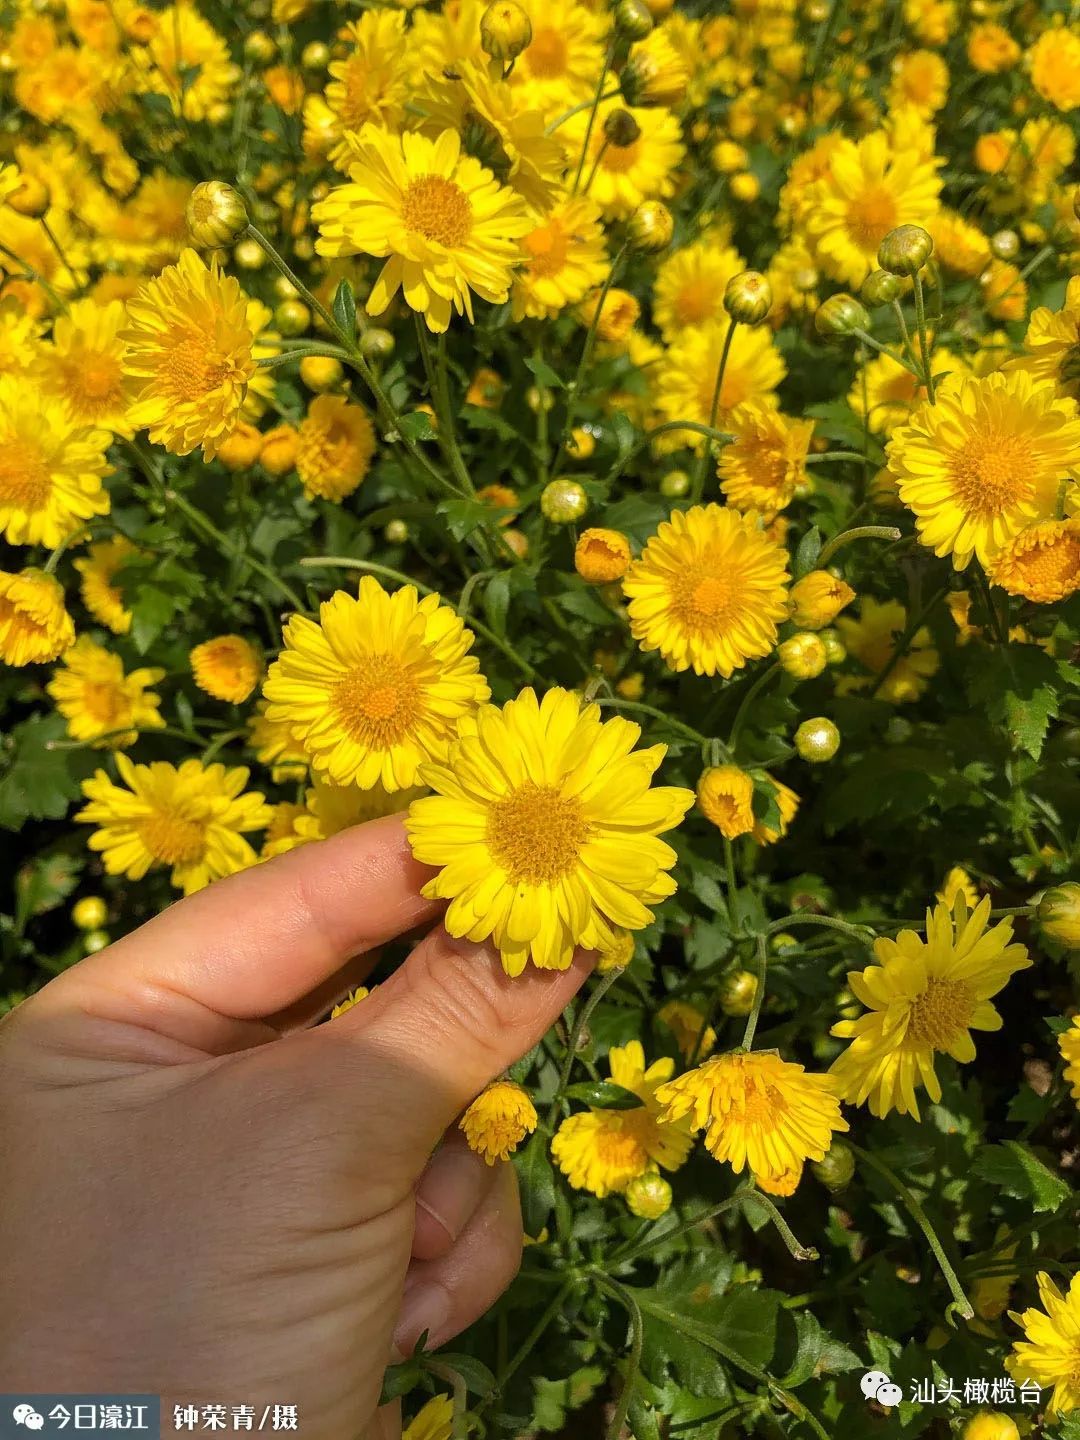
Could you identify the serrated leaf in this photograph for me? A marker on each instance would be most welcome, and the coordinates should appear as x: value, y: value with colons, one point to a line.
x: 544, y: 373
x: 604, y: 1095
x: 416, y: 425
x: 40, y: 783
x: 553, y: 1399
x: 43, y: 884
x: 151, y: 610
x: 464, y: 516
x: 1019, y: 1172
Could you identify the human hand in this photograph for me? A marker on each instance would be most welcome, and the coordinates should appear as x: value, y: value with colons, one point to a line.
x: 205, y: 1198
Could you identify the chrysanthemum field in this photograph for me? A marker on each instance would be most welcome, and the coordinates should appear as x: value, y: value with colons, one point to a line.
x: 641, y: 442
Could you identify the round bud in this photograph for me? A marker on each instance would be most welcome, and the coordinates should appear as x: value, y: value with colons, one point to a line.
x: 840, y: 315
x: 260, y: 47
x: 738, y: 993
x: 321, y: 372
x: 817, y: 599
x: 836, y: 1168
x: 817, y: 740
x: 744, y: 187
x: 279, y: 447
x: 621, y: 129
x: 283, y: 288
x: 674, y: 484
x: 315, y: 56
x: 517, y: 541
x: 835, y: 650
x: 648, y: 1196
x: 95, y: 940
x: 633, y: 19
x: 1059, y: 914
x: 216, y: 215
x: 748, y: 297
x: 781, y: 942
x: 505, y: 30
x: 292, y: 317
x: 651, y: 227
x: 396, y: 532
x: 905, y: 250
x: 601, y: 556
x: 581, y: 443
x: 880, y: 288
x: 1005, y: 244
x: 90, y: 913
x: 802, y: 656
x: 241, y: 449
x: 31, y: 198
x: 991, y: 1425
x: 249, y: 255
x: 376, y: 343
x: 563, y: 501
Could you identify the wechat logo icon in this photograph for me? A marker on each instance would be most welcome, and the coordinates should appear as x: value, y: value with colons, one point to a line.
x: 876, y: 1385
x: 28, y: 1416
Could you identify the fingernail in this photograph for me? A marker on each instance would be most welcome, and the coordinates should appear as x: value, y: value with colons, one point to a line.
x: 425, y: 1306
x: 451, y: 1230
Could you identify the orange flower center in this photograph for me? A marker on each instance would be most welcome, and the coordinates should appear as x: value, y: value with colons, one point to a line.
x: 941, y: 1013
x: 24, y: 477
x: 536, y: 834
x: 695, y: 302
x: 703, y: 598
x: 437, y: 209
x: 871, y: 217
x: 547, y: 248
x: 173, y: 839
x: 376, y: 702
x: 546, y: 55
x: 190, y: 371
x: 992, y: 473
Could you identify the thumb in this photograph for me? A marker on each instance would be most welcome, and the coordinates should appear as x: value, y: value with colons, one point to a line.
x: 445, y: 1024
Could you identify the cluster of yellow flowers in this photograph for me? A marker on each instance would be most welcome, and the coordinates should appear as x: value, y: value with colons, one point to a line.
x: 705, y: 242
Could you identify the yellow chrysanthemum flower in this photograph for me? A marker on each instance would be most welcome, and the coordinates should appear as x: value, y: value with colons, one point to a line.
x: 765, y: 464
x: 625, y: 175
x: 561, y: 63
x: 1042, y: 563
x: 444, y: 224
x: 687, y: 380
x: 887, y: 392
x: 870, y: 188
x: 84, y: 365
x: 377, y: 687
x: 188, y: 62
x: 34, y: 625
x: 228, y: 667
x: 958, y: 882
x: 1047, y: 1354
x: 725, y: 796
x: 919, y: 78
x: 708, y: 591
x: 1069, y: 1045
x: 18, y: 339
x: 101, y: 597
x: 191, y: 817
x: 51, y: 467
x: 97, y: 699
x: 275, y: 747
x: 189, y: 350
x: 335, y: 444
x: 328, y: 809
x: 1054, y: 61
x: 352, y: 998
x: 546, y: 829
x: 787, y: 802
x: 565, y: 259
x: 991, y: 49
x: 690, y: 285
x: 872, y: 639
x: 371, y: 83
x: 984, y: 462
x: 603, y: 1150
x: 1052, y: 344
x: 959, y: 245
x: 923, y: 999
x: 757, y: 1111
x: 498, y: 1120
x: 696, y: 1039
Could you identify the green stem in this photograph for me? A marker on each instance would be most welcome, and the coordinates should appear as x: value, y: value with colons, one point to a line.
x: 796, y: 1249
x: 918, y: 1214
x: 577, y: 109
x: 633, y: 1359
x: 863, y: 934
x: 600, y: 989
x: 669, y: 720
x: 595, y: 105
x: 868, y: 339
x: 629, y: 1253
x: 751, y: 695
x: 529, y: 1344
x: 706, y: 454
x: 209, y: 529
x: 636, y: 449
x: 824, y: 455
x: 583, y: 363
x: 909, y: 349
x: 861, y: 532
x: 759, y: 994
x: 924, y: 347
x: 98, y: 741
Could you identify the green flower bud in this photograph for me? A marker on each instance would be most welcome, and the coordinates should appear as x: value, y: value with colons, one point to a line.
x: 621, y: 129
x: 748, y: 297
x: 376, y: 343
x: 651, y: 227
x: 817, y: 740
x: 563, y: 501
x: 396, y: 532
x: 648, y: 1196
x: 836, y: 1168
x: 880, y: 288
x: 905, y: 250
x: 292, y: 317
x: 840, y: 315
x: 675, y: 484
x: 803, y: 655
x: 835, y: 649
x: 505, y: 30
x: 633, y: 19
x: 249, y: 255
x: 95, y: 940
x: 315, y: 56
x: 260, y: 47
x: 738, y: 993
x: 1005, y: 244
x: 1059, y: 914
x: 216, y: 215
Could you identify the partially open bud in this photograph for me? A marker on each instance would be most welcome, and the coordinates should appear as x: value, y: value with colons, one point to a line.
x: 1059, y: 914
x: 802, y: 656
x: 738, y: 993
x: 840, y: 315
x: 563, y: 501
x: 31, y: 198
x: 315, y: 56
x: 602, y: 556
x: 817, y: 599
x: 260, y: 47
x: 880, y: 288
x: 905, y: 250
x: 619, y: 954
x: 817, y: 740
x: 836, y: 1168
x: 655, y: 74
x: 279, y: 447
x: 748, y: 297
x: 991, y: 1425
x: 648, y: 1196
x: 216, y: 214
x: 241, y: 449
x: 621, y: 129
x: 651, y: 227
x: 505, y: 30
x: 633, y: 19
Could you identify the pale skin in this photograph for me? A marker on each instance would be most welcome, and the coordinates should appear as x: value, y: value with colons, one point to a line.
x: 205, y: 1195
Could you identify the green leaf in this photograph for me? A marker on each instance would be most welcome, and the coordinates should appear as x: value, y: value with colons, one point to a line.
x: 40, y: 783
x: 553, y: 1399
x: 544, y: 373
x: 151, y: 611
x: 344, y: 307
x: 604, y: 1095
x: 1019, y: 1172
x: 1018, y: 687
x: 497, y: 601
x: 464, y: 516
x: 416, y: 425
x: 537, y: 1181
x: 43, y: 884
x: 808, y: 552
x: 399, y: 1380
x: 475, y: 1374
